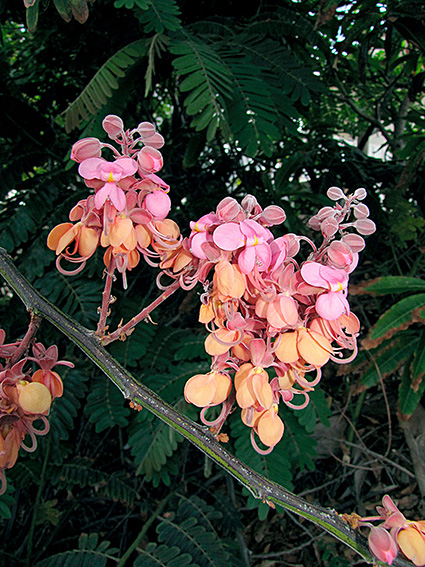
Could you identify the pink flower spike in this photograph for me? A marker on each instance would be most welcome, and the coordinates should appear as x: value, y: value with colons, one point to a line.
x: 382, y: 545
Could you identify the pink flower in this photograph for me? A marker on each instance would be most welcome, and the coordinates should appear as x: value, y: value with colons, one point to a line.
x: 110, y: 173
x: 333, y: 304
x: 252, y: 237
x: 200, y: 234
x: 149, y: 160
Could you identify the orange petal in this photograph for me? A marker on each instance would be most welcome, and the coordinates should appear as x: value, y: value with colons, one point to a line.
x: 213, y: 347
x: 314, y: 347
x: 56, y: 234
x: 287, y: 350
x: 229, y: 280
x: 270, y: 428
x: 143, y: 236
x: 120, y: 231
x: 242, y: 373
x: 245, y: 395
x: 224, y: 385
x: 262, y: 389
x: 412, y: 544
x: 200, y: 390
x: 89, y: 239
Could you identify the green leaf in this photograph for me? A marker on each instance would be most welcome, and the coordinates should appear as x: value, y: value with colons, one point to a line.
x: 160, y: 16
x: 105, y: 405
x: 163, y: 556
x: 412, y: 386
x: 93, y: 97
x: 388, y: 357
x: 404, y: 313
x: 389, y: 284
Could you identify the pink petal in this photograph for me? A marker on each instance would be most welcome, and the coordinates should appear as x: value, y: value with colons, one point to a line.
x: 89, y: 168
x: 228, y: 236
x: 117, y: 196
x: 158, y: 204
x: 101, y: 196
x: 246, y: 260
x: 331, y: 305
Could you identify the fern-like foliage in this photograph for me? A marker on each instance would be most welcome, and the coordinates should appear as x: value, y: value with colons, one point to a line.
x: 105, y: 405
x: 100, y: 88
x: 191, y: 530
x: 90, y: 553
x: 152, y: 444
x: 163, y: 556
x: 81, y: 472
x: 208, y: 82
x: 64, y: 412
x: 160, y: 16
x: 77, y: 296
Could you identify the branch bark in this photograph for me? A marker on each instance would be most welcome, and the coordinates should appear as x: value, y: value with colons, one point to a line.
x: 200, y: 436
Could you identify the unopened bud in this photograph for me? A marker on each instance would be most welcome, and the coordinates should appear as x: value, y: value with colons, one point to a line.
x: 354, y: 241
x: 149, y: 160
x: 85, y: 149
x: 273, y: 215
x: 365, y: 226
x: 228, y: 209
x: 113, y: 125
x: 329, y: 227
x: 361, y: 211
x: 360, y: 194
x: 335, y: 193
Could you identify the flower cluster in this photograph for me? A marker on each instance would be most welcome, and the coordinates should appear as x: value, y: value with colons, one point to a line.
x: 25, y: 396
x: 272, y: 319
x: 127, y: 214
x: 403, y: 535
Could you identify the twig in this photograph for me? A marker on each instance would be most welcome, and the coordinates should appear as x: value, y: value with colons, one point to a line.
x: 121, y: 332
x: 106, y: 298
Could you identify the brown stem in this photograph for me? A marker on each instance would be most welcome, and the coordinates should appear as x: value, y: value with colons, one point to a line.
x: 106, y: 298
x: 121, y: 332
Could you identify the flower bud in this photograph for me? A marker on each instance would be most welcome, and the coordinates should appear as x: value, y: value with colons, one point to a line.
x: 382, y: 545
x: 335, y: 193
x: 329, y: 227
x: 361, y: 211
x: 149, y: 160
x: 360, y: 194
x: 365, y: 226
x: 86, y: 148
x: 113, y: 125
x: 273, y: 215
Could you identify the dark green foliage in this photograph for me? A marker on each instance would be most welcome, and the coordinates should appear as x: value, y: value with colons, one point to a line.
x: 105, y: 405
x: 162, y: 556
x: 191, y: 530
x: 90, y: 553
